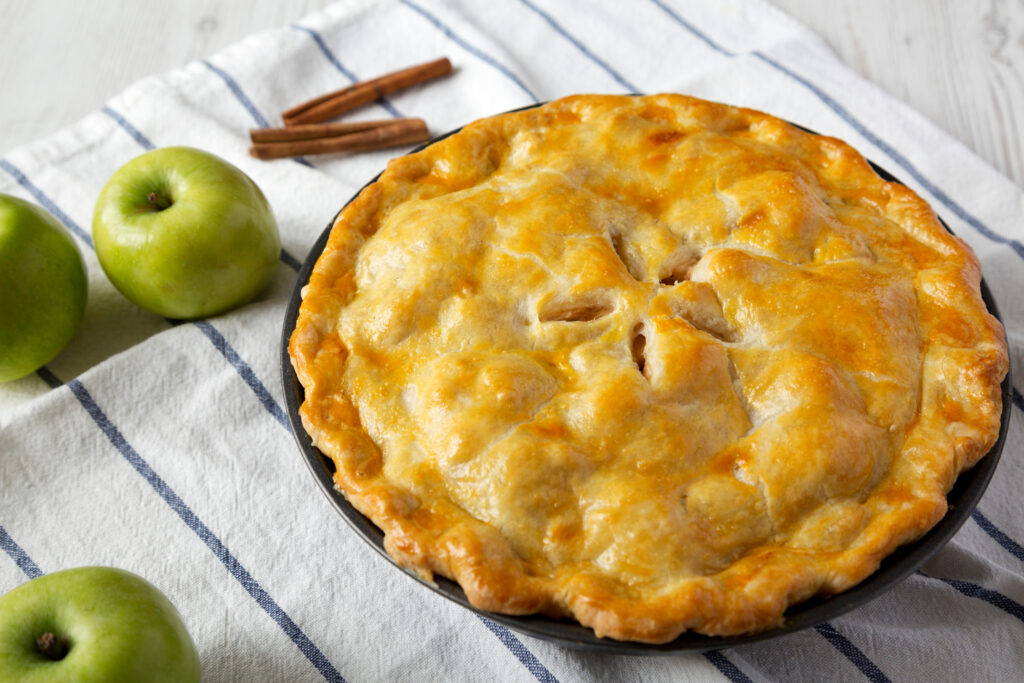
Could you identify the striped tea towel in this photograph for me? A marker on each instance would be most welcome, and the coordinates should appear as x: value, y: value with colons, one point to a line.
x: 164, y: 448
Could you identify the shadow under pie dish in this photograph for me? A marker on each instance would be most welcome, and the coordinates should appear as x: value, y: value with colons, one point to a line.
x: 656, y: 364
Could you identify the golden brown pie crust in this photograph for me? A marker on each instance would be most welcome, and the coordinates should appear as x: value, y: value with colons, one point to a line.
x: 655, y: 363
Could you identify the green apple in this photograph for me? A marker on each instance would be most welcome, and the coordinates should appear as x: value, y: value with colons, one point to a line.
x: 185, y: 234
x: 93, y: 624
x: 42, y: 287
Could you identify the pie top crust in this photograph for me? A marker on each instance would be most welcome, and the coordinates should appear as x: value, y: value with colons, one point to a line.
x: 652, y: 362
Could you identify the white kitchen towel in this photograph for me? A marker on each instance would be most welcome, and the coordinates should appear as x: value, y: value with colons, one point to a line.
x: 164, y: 448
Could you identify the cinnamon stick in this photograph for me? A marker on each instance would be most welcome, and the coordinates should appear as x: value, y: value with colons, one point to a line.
x: 400, y: 132
x: 315, y: 131
x: 340, y: 101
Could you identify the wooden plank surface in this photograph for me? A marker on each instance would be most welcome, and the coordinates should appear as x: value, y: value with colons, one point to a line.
x: 62, y: 59
x: 959, y: 63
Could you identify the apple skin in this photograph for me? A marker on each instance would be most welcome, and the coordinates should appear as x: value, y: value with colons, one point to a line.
x: 185, y: 234
x: 118, y: 626
x: 42, y: 287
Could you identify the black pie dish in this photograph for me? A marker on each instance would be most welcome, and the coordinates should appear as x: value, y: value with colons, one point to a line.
x: 962, y: 499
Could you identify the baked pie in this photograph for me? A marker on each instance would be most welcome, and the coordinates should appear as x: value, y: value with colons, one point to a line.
x: 651, y: 362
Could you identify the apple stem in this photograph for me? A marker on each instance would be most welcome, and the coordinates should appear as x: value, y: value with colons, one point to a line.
x: 160, y: 201
x: 51, y: 646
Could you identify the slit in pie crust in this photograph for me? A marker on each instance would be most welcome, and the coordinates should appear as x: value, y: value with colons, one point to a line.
x: 651, y: 362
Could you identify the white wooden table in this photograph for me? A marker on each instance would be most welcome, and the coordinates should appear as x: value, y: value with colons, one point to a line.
x: 959, y: 63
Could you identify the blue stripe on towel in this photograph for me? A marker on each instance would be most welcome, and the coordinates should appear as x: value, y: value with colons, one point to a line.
x: 581, y: 47
x: 1008, y: 544
x: 239, y: 94
x: 45, y: 201
x: 726, y: 667
x: 137, y: 135
x: 47, y: 376
x: 243, y: 369
x: 320, y: 43
x: 973, y: 590
x: 693, y: 29
x: 192, y: 521
x: 18, y: 554
x: 517, y: 648
x: 290, y: 261
x: 852, y: 652
x: 244, y: 100
x: 476, y: 52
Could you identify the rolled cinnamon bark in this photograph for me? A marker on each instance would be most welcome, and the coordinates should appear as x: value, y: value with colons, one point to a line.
x: 340, y: 101
x: 399, y: 132
x: 315, y: 131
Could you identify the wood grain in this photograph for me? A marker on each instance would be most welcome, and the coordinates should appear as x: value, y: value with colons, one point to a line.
x: 62, y: 59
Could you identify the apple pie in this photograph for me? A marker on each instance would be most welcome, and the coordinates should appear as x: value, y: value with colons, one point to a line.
x: 650, y: 362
